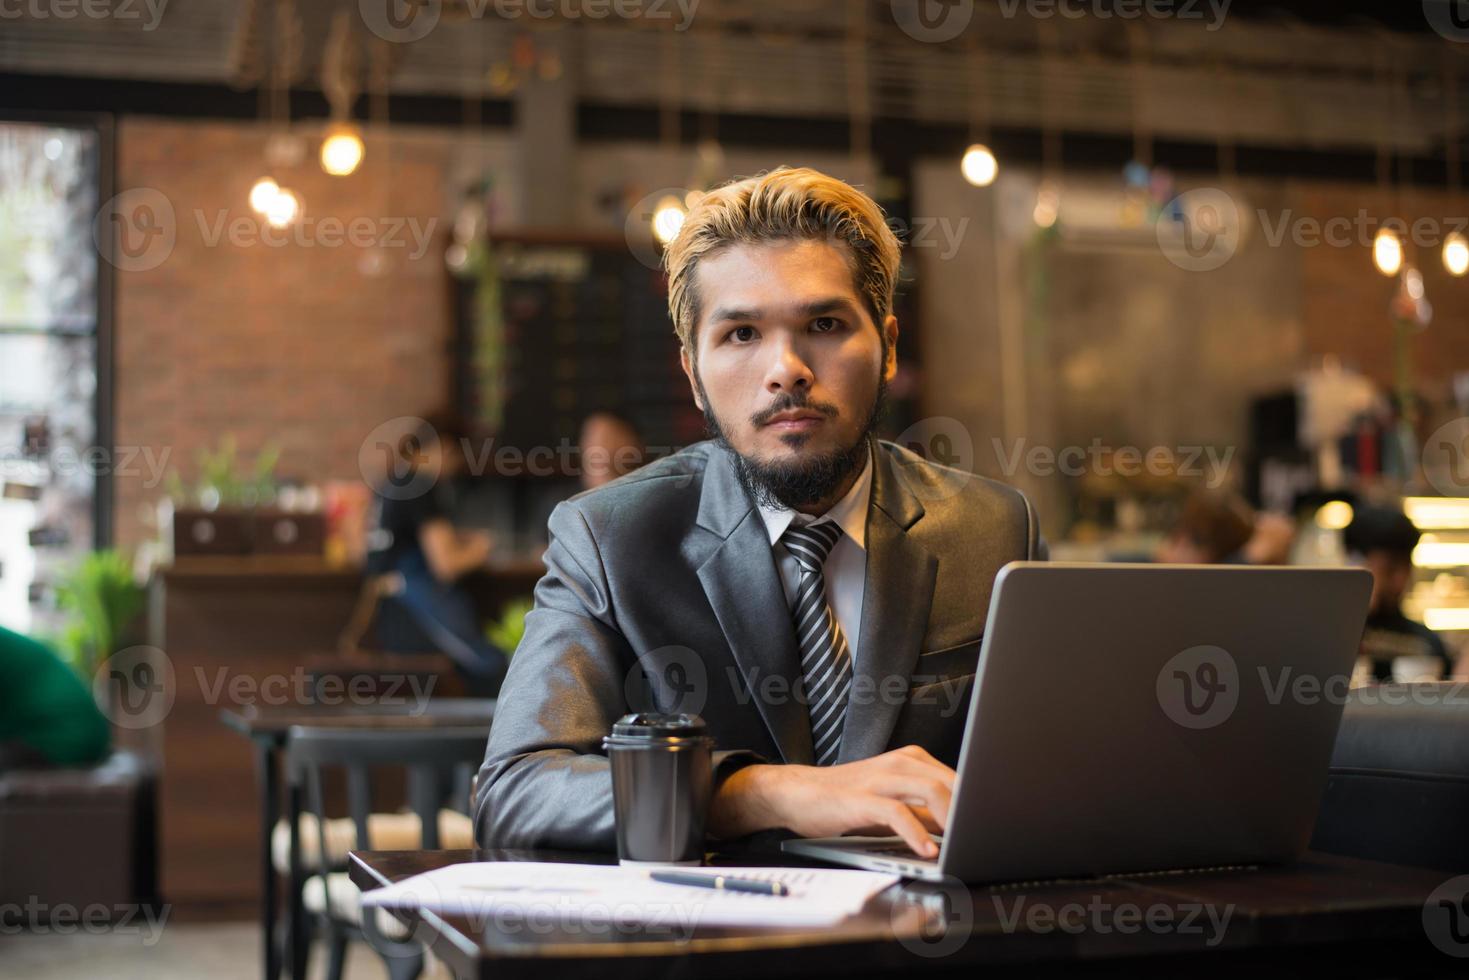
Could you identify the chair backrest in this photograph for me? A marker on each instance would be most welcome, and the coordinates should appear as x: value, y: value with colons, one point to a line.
x: 440, y: 763
x: 1399, y: 784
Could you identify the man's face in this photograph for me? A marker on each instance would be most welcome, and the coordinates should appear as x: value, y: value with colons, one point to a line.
x: 788, y: 363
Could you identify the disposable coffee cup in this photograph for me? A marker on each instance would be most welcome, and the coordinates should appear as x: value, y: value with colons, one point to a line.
x: 661, y: 774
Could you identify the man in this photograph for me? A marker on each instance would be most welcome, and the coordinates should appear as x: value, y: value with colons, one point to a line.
x: 1382, y: 540
x: 816, y: 595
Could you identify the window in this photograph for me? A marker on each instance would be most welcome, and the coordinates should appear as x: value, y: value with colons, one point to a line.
x: 50, y: 179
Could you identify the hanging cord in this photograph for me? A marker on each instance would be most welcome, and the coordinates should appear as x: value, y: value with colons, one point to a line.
x: 669, y: 120
x: 341, y: 66
x: 1142, y: 134
x: 1227, y: 156
x: 1451, y: 130
x: 247, y: 47
x: 1051, y: 142
x: 858, y: 97
x: 978, y: 93
x: 290, y: 45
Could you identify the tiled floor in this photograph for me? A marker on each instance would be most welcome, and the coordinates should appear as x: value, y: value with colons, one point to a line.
x: 175, y: 952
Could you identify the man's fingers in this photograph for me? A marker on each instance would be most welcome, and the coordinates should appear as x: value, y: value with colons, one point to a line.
x: 934, y: 793
x: 902, y: 821
x: 920, y: 754
x: 925, y: 816
x: 911, y: 771
x: 913, y: 758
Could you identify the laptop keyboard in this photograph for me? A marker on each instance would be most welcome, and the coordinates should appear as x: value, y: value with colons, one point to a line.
x: 895, y: 850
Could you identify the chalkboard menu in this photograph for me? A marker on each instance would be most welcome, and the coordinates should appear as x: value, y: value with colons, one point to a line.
x: 584, y: 328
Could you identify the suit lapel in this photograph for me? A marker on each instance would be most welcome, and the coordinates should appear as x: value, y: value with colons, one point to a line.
x: 743, y: 586
x: 896, y: 600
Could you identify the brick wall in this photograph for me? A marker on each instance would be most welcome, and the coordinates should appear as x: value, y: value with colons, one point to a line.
x: 293, y: 344
x: 1345, y: 300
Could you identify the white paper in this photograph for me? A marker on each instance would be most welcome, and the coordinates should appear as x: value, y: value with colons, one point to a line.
x: 506, y: 890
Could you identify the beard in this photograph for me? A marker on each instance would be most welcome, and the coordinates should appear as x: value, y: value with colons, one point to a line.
x: 808, y: 479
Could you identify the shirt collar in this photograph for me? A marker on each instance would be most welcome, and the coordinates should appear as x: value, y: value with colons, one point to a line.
x: 849, y: 513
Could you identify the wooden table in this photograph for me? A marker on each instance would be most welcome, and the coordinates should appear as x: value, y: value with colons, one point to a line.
x: 268, y: 728
x: 1332, y: 915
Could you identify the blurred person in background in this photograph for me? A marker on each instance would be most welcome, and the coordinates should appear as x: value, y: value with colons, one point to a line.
x: 47, y: 715
x: 1220, y: 528
x: 1271, y: 541
x: 611, y: 446
x: 419, y: 557
x: 1382, y: 539
x: 1212, y: 528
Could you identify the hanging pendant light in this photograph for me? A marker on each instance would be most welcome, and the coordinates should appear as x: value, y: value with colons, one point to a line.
x: 262, y: 195
x: 277, y: 206
x: 979, y: 165
x: 1047, y: 210
x: 284, y: 208
x: 1455, y: 246
x: 342, y: 150
x: 1387, y: 252
x: 1456, y: 254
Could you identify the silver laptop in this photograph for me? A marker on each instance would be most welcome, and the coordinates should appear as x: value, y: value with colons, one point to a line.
x: 1131, y: 718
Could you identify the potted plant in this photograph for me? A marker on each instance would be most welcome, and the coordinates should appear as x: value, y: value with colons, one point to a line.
x: 230, y: 510
x: 105, y: 602
x: 507, y: 631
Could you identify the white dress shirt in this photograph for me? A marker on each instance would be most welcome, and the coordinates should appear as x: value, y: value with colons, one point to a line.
x: 846, y: 566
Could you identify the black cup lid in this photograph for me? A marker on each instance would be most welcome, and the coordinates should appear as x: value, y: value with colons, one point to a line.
x: 647, y: 724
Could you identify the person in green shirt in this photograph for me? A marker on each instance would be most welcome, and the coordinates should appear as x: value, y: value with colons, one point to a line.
x: 47, y: 714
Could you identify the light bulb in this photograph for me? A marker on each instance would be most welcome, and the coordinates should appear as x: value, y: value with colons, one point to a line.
x: 1413, y: 283
x: 668, y: 218
x: 1047, y: 207
x: 1387, y: 252
x: 283, y: 209
x: 263, y: 194
x: 342, y: 150
x: 1456, y: 254
x: 979, y: 165
x: 1334, y: 515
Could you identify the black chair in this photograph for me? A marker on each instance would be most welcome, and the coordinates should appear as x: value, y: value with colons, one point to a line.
x: 1398, y: 790
x: 439, y: 763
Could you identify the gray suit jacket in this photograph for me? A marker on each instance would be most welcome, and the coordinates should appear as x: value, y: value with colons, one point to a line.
x: 661, y: 593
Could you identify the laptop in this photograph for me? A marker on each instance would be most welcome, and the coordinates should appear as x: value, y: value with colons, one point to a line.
x: 1135, y: 718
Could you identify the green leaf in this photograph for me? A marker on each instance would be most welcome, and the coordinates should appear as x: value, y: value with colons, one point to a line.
x: 103, y: 600
x: 507, y: 631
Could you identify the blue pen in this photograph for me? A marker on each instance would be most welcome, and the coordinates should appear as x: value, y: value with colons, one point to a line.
x: 722, y: 882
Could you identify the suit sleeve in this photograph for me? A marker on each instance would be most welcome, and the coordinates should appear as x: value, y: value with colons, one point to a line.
x: 545, y: 781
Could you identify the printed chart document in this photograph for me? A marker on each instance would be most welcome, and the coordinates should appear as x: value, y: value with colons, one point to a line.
x: 611, y: 893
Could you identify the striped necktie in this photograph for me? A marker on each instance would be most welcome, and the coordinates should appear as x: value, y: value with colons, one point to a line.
x: 826, y: 663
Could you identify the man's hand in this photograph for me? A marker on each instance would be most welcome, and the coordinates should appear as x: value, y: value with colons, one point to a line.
x: 904, y: 792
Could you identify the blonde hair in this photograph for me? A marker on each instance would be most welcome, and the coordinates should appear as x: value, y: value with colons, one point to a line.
x: 786, y: 203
